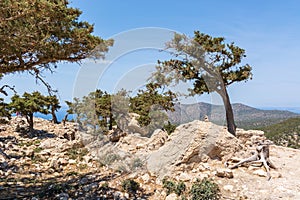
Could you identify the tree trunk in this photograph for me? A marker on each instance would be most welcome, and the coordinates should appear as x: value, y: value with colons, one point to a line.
x: 65, y: 119
x: 110, y: 122
x: 30, y: 122
x: 54, y: 118
x: 228, y: 109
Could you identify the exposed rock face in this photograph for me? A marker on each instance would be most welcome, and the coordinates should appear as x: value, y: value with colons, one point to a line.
x: 192, y: 142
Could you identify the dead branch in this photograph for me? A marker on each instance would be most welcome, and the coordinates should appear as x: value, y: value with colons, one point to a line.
x: 260, y: 156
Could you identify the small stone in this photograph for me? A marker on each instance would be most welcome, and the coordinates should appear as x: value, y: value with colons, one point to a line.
x: 228, y: 188
x: 183, y: 177
x: 276, y: 174
x: 63, y: 196
x: 171, y: 196
x: 224, y: 173
x: 63, y: 161
x: 83, y: 181
x: 71, y: 161
x: 126, y: 195
x: 146, y: 178
x: 260, y: 172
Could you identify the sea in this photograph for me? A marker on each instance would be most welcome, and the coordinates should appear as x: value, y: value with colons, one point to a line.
x: 61, y: 113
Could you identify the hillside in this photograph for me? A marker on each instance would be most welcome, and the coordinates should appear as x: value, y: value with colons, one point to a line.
x: 245, y: 116
x: 286, y: 133
x: 60, y: 162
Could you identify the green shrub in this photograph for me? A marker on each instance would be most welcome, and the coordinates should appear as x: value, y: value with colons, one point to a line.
x: 177, y: 188
x: 136, y: 163
x: 109, y: 159
x: 170, y: 128
x: 205, y: 190
x: 130, y: 186
x: 75, y: 153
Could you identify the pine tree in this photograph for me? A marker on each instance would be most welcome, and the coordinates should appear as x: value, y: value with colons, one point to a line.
x: 209, y: 63
x: 35, y: 35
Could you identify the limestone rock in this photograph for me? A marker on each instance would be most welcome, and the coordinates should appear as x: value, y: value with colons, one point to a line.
x: 171, y: 196
x: 224, y: 173
x: 146, y: 178
x: 189, y: 143
x: 228, y: 188
x: 260, y: 172
x: 133, y: 125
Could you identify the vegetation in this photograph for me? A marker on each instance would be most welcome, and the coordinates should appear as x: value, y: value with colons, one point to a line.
x: 169, y: 127
x: 100, y: 110
x: 130, y: 186
x: 4, y: 110
x: 205, y: 190
x: 150, y: 104
x: 173, y: 187
x: 53, y: 105
x: 29, y: 104
x: 36, y: 35
x: 286, y: 133
x: 207, y: 62
x: 94, y: 110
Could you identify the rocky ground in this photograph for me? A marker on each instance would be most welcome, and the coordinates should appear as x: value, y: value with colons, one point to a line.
x: 61, y: 162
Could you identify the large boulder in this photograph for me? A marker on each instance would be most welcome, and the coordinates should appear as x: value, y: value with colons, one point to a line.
x: 192, y: 142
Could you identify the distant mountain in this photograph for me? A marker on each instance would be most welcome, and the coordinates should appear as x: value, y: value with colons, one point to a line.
x: 245, y: 116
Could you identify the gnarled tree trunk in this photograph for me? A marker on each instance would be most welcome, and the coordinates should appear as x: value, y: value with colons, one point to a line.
x: 228, y: 109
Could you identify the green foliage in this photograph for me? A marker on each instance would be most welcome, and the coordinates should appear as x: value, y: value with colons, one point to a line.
x: 77, y: 153
x: 205, y: 190
x: 29, y: 104
x: 109, y: 158
x: 171, y: 186
x: 286, y: 133
x: 100, y: 110
x: 130, y: 186
x: 37, y: 150
x: 94, y: 111
x: 209, y: 63
x: 4, y: 109
x: 170, y: 128
x: 150, y: 104
x: 38, y: 33
x: 53, y: 105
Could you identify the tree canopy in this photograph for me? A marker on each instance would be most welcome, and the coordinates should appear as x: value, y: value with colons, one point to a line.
x: 150, y: 103
x: 209, y: 63
x: 100, y: 110
x: 31, y: 103
x: 37, y: 34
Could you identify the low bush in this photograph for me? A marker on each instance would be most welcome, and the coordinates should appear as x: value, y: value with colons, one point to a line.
x: 130, y: 186
x: 205, y: 190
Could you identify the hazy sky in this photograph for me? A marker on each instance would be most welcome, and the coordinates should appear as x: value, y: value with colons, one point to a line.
x: 269, y: 31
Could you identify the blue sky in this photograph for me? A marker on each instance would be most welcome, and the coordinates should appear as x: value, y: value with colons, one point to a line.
x: 268, y: 30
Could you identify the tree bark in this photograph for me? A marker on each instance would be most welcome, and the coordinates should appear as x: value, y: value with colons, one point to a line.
x: 54, y: 118
x: 30, y: 122
x: 229, y: 111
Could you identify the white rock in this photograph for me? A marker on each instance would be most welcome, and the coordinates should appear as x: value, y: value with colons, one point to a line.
x: 183, y: 177
x: 71, y: 161
x: 228, y: 188
x: 171, y: 196
x: 146, y: 178
x: 260, y: 172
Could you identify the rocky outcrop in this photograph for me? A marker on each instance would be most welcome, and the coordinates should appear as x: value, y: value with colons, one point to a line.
x: 63, y: 163
x: 192, y: 142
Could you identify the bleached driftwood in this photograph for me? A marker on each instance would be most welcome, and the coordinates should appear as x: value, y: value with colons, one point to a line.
x: 260, y: 156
